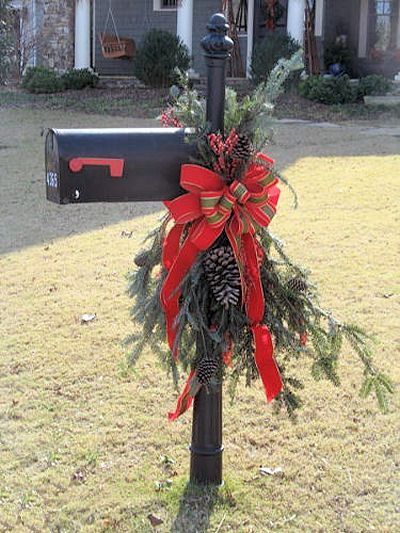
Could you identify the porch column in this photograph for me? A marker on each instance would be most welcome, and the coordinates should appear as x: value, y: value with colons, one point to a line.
x: 295, y: 19
x: 397, y: 76
x: 250, y: 36
x: 184, y: 23
x: 82, y: 33
x: 363, y: 29
x: 319, y: 18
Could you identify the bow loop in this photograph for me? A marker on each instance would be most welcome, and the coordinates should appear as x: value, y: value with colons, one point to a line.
x: 239, y: 191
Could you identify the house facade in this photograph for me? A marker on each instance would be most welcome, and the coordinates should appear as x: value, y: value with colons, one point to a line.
x: 66, y: 32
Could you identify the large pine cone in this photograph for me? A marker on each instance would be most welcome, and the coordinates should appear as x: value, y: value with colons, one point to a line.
x: 243, y: 148
x: 206, y: 369
x: 141, y: 258
x: 297, y: 284
x: 223, y: 275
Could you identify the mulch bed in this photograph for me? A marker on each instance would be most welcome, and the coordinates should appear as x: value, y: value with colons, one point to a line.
x: 147, y: 103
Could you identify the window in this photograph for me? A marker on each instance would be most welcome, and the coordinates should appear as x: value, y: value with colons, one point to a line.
x: 165, y: 5
x: 383, y: 25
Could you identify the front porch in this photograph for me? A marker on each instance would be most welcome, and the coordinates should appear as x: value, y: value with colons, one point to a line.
x: 187, y: 20
x: 369, y: 29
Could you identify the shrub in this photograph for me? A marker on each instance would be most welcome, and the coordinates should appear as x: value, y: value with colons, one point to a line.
x: 336, y: 53
x: 328, y: 90
x: 268, y: 51
x: 42, y: 80
x: 374, y: 85
x: 159, y: 57
x: 79, y: 78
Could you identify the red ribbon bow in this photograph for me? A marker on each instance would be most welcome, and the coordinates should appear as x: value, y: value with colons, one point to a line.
x: 212, y: 206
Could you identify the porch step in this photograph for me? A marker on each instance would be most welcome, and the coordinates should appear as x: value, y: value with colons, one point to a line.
x: 389, y: 100
x: 395, y: 87
x: 119, y: 82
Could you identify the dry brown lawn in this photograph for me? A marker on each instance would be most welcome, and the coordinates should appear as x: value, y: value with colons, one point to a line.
x: 82, y: 438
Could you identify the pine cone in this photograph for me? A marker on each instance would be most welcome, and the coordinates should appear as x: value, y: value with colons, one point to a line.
x: 243, y: 148
x: 297, y: 284
x: 141, y: 258
x: 206, y: 370
x: 223, y: 275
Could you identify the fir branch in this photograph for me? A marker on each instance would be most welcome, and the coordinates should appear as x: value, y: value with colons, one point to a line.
x: 274, y: 86
x: 286, y: 182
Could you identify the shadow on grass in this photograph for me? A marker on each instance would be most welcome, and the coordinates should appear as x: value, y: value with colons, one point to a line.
x: 195, y: 509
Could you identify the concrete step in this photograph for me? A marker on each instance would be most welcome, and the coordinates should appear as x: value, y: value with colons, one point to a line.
x: 395, y: 87
x: 119, y: 82
x: 388, y: 101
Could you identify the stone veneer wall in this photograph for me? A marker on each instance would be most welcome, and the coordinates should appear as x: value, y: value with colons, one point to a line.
x: 56, y: 41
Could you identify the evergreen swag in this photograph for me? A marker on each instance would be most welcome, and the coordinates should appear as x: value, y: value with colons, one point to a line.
x: 213, y: 331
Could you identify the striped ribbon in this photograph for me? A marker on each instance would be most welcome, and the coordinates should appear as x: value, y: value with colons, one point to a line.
x: 212, y: 207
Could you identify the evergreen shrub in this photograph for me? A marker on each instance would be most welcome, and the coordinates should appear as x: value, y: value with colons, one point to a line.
x: 328, y: 90
x: 42, y: 80
x: 268, y: 51
x: 159, y: 58
x: 336, y: 53
x: 374, y: 85
x: 78, y: 79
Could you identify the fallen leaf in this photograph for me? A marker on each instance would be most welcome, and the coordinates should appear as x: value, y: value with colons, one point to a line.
x: 79, y: 475
x: 266, y: 471
x: 166, y: 460
x: 163, y: 484
x: 87, y: 317
x: 155, y: 520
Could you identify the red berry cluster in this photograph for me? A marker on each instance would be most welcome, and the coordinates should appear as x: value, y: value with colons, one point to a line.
x: 223, y: 149
x: 169, y: 120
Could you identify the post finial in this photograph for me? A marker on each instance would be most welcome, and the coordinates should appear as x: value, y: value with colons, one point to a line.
x: 216, y: 43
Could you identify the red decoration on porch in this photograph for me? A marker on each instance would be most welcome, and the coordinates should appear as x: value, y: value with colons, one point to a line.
x: 274, y: 12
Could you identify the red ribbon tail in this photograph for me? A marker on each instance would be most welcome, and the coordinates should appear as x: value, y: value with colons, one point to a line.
x: 255, y: 304
x: 170, y: 292
x: 267, y: 367
x: 184, y: 401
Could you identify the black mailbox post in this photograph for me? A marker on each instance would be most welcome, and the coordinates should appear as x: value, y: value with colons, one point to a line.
x: 116, y: 165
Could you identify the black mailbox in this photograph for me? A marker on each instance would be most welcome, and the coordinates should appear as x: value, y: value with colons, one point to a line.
x: 115, y: 165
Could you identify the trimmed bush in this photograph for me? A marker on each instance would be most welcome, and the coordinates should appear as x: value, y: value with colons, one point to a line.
x: 268, y: 51
x: 42, y: 80
x: 328, y: 90
x: 79, y: 79
x: 374, y: 85
x: 159, y: 57
x: 336, y: 53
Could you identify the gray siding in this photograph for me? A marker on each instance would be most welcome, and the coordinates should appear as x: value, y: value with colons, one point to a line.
x: 133, y: 18
x: 202, y: 11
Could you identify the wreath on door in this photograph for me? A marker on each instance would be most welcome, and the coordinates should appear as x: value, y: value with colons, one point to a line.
x: 273, y: 13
